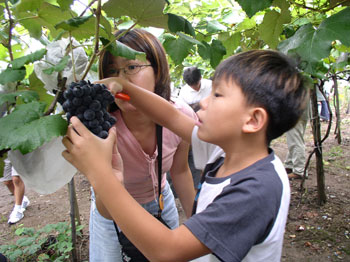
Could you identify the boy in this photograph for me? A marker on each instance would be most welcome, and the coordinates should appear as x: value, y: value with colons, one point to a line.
x: 242, y: 204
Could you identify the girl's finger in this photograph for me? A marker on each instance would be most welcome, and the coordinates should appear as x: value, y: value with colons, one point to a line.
x: 67, y: 143
x: 79, y: 128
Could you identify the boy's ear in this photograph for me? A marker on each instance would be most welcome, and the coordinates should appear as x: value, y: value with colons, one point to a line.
x: 256, y: 121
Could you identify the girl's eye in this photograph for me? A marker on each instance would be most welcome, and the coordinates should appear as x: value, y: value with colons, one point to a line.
x: 217, y: 94
x: 113, y: 71
x: 131, y: 68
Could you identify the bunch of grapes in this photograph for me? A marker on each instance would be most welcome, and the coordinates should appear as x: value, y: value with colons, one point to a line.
x: 89, y: 103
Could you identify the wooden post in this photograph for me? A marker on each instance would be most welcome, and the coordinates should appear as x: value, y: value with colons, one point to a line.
x: 73, y: 201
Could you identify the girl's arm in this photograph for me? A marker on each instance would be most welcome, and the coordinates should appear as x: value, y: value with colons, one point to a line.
x: 154, y: 106
x: 92, y: 156
x: 181, y: 177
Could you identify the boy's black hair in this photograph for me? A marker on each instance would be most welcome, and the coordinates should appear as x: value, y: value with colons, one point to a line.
x: 271, y: 80
x: 192, y: 75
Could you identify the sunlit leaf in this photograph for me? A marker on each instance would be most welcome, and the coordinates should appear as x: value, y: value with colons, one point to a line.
x: 272, y: 26
x: 65, y: 4
x: 28, y: 5
x: 251, y: 7
x: 215, y: 26
x: 145, y: 13
x: 50, y: 15
x: 230, y: 42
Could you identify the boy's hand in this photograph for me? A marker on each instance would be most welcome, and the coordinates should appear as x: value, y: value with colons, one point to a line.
x: 114, y: 84
x: 90, y: 154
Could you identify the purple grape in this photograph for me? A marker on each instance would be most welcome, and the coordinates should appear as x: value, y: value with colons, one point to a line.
x: 89, y: 114
x: 89, y: 103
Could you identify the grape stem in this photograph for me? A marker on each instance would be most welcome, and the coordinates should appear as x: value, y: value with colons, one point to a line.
x: 61, y: 83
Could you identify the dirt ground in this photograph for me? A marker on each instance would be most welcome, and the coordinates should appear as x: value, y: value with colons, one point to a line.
x: 313, y: 232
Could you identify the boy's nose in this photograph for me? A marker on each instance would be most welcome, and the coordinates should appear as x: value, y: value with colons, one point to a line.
x: 204, y: 102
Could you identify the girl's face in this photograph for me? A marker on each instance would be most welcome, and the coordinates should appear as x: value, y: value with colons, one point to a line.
x: 222, y: 113
x: 137, y: 72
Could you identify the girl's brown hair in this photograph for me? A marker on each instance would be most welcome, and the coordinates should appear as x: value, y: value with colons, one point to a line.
x: 143, y: 41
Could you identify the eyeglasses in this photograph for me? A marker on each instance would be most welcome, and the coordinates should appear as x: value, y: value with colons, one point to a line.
x: 128, y: 70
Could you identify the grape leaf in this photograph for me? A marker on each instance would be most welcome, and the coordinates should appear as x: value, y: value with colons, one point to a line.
x: 119, y: 49
x: 230, y: 42
x: 20, y: 62
x: 28, y: 5
x: 59, y: 67
x: 145, y: 13
x: 65, y: 4
x: 177, y: 23
x: 217, y: 52
x: 73, y: 23
x: 272, y: 26
x: 177, y: 48
x: 12, y: 75
x: 310, y: 45
x: 50, y: 15
x: 251, y: 7
x: 26, y: 128
x: 26, y: 96
x: 34, y: 134
x: 215, y: 26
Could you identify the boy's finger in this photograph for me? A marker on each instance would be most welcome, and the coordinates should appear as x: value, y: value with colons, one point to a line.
x: 112, y: 84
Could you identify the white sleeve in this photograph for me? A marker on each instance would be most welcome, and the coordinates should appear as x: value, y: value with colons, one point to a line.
x: 203, y: 152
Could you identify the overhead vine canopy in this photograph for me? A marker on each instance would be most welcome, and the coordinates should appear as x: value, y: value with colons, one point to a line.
x: 316, y: 33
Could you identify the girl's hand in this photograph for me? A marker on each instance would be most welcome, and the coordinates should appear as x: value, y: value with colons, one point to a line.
x: 90, y: 154
x: 114, y: 84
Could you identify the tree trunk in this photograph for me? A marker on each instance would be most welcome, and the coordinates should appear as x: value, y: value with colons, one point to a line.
x: 74, y: 213
x: 337, y: 110
x: 316, y: 130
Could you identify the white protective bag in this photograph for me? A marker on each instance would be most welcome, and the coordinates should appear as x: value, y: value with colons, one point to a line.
x: 44, y: 170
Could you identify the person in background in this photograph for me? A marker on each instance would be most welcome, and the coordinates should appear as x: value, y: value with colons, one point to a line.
x: 241, y: 208
x: 323, y: 108
x: 196, y: 87
x: 17, y: 188
x: 296, y: 158
x: 138, y: 145
x: 195, y: 90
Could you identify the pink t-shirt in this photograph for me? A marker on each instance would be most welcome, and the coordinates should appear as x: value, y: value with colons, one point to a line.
x: 140, y: 170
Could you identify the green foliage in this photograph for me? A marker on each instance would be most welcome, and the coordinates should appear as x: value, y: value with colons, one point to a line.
x: 119, y: 49
x: 20, y: 62
x: 311, y: 45
x: 12, y: 75
x: 200, y: 33
x: 26, y: 128
x: 144, y: 13
x: 52, y: 242
x: 251, y: 7
x: 59, y: 67
x: 26, y: 96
